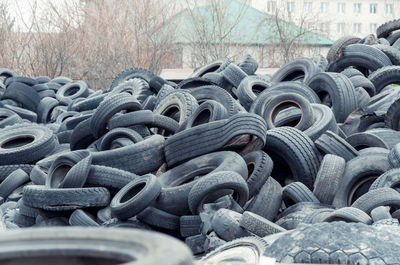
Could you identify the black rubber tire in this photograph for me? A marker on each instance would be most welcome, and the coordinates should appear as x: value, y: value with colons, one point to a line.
x: 89, y: 103
x: 109, y: 177
x: 37, y: 175
x: 147, y: 118
x: 331, y: 143
x: 385, y: 76
x: 215, y: 66
x: 81, y: 136
x: 136, y: 87
x: 361, y: 56
x: 381, y: 213
x: 233, y: 74
x: 68, y: 245
x: 131, y: 73
x: 6, y: 170
x: 361, y: 81
x: 190, y: 225
x: 23, y: 113
x: 135, y: 197
x: 73, y: 90
x: 258, y: 225
x: 268, y: 200
x: 329, y: 178
x: 69, y: 170
x: 296, y: 150
x: 389, y: 179
x: 141, y: 158
x: 178, y: 181
x: 392, y: 117
x: 13, y: 181
x: 391, y: 52
x: 387, y: 28
x: 25, y: 143
x: 208, y: 111
x: 324, y: 120
x: 255, y: 246
x: 282, y: 102
x: 64, y: 199
x: 81, y: 218
x: 359, y: 174
x: 364, y: 140
x: 336, y: 50
x: 296, y: 192
x: 310, y: 245
x: 8, y: 117
x: 299, y: 69
x: 351, y: 72
x: 218, y: 94
x: 23, y: 94
x: 349, y: 215
x: 213, y: 136
x: 112, y: 135
x: 259, y: 165
x: 107, y: 108
x: 209, y: 185
x: 160, y: 219
x: 378, y: 197
x: 181, y: 102
x: 226, y: 224
x: 249, y: 89
x: 341, y: 91
x: 196, y: 243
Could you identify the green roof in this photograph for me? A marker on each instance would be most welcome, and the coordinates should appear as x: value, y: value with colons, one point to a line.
x: 247, y: 25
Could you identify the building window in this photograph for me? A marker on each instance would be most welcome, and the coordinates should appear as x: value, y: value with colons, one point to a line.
x: 357, y: 28
x: 290, y: 7
x: 373, y: 8
x: 340, y: 8
x: 389, y: 9
x: 324, y: 27
x: 308, y: 7
x: 340, y: 28
x: 271, y: 6
x: 324, y: 7
x: 357, y: 8
x: 308, y: 26
x: 372, y: 27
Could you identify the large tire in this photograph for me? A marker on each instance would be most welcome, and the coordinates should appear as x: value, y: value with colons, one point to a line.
x: 385, y: 76
x: 25, y: 144
x: 341, y: 91
x: 132, y: 73
x: 68, y: 245
x: 296, y: 150
x: 316, y: 244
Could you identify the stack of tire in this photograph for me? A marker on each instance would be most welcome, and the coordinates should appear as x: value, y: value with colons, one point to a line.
x: 225, y: 158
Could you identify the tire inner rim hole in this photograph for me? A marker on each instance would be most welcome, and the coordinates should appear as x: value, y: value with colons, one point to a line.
x: 361, y: 188
x: 3, y: 117
x: 132, y: 192
x: 295, y: 75
x: 71, y: 91
x: 250, y: 167
x: 18, y: 141
x: 325, y: 98
x: 203, y: 117
x: 257, y: 89
x: 285, y: 106
x: 212, y: 69
x: 59, y: 175
x: 172, y: 112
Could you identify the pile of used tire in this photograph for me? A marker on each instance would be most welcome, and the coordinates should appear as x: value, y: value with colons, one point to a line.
x: 225, y: 160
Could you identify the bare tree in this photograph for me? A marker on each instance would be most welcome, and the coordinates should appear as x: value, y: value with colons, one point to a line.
x: 211, y: 31
x: 291, y: 36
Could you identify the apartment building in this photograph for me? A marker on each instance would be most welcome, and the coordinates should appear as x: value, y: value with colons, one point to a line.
x: 334, y: 18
